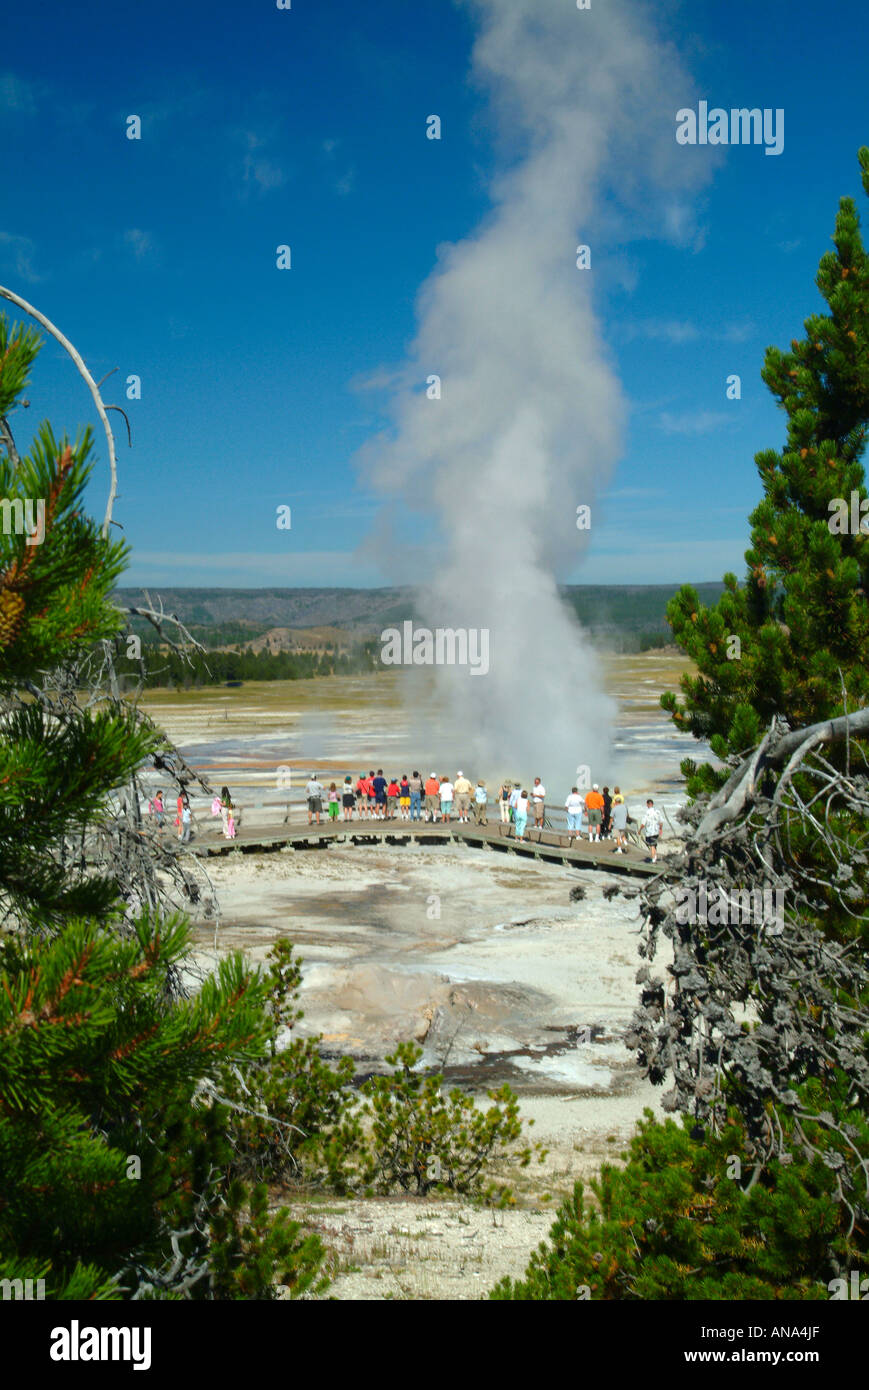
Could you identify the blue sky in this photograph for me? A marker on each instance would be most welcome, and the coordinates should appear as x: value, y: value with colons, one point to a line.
x: 307, y: 127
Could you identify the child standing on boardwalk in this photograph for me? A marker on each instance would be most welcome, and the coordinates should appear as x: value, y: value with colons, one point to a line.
x: 333, y: 802
x: 226, y: 812
x: 520, y: 814
x: 620, y: 821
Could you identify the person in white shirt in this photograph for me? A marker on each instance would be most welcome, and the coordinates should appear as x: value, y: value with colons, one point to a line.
x: 573, y: 806
x: 538, y: 798
x: 446, y: 796
x: 652, y: 827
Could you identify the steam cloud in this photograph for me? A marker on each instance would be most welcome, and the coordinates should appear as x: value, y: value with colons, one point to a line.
x: 531, y: 417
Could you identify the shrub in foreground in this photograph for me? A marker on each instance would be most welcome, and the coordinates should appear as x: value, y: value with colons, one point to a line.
x: 696, y: 1219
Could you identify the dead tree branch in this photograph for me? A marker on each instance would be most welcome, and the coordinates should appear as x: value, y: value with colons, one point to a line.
x: 766, y: 996
x: 7, y: 439
x: 89, y: 382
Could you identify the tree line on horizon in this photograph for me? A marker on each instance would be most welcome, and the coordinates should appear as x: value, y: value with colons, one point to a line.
x: 191, y: 669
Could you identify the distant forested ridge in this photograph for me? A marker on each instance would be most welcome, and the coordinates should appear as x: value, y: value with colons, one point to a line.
x: 366, y: 610
x: 629, y: 617
x: 313, y: 632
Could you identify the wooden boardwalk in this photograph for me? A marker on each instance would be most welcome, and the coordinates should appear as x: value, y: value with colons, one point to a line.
x: 550, y: 846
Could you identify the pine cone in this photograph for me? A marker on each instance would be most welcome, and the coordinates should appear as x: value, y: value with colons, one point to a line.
x: 11, y: 611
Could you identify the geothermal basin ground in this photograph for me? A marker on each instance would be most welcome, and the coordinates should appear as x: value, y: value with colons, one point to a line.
x: 501, y: 977
x: 480, y: 957
x: 488, y: 964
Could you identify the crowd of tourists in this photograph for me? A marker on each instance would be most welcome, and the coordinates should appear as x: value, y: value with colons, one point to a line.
x: 599, y: 813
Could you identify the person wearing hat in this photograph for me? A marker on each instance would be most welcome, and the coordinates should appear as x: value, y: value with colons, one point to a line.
x: 314, y: 795
x: 594, y: 807
x: 481, y: 803
x: 573, y: 806
x: 462, y: 791
x: 432, y: 797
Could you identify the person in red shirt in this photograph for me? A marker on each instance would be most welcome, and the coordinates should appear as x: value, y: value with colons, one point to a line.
x: 391, y: 799
x: 594, y: 806
x: 362, y: 792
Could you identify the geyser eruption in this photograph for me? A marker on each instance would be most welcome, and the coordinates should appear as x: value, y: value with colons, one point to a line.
x: 528, y: 424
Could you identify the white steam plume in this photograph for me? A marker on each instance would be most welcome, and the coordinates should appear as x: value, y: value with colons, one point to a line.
x: 530, y: 420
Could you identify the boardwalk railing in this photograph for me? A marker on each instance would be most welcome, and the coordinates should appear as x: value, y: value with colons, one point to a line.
x: 551, y: 846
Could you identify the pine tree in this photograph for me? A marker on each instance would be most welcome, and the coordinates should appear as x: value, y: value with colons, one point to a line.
x: 113, y: 1157
x: 793, y: 640
x: 684, y: 1220
x: 56, y: 775
x: 102, y: 1152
